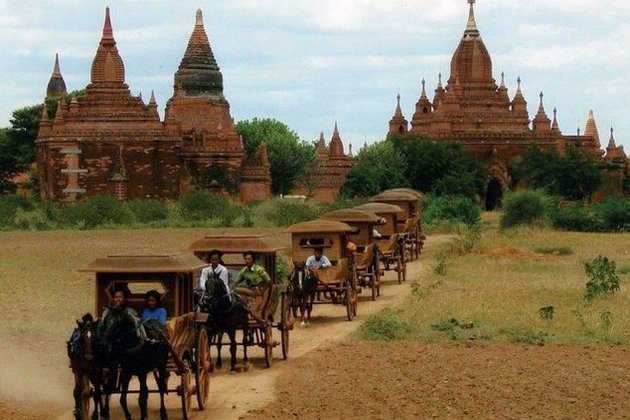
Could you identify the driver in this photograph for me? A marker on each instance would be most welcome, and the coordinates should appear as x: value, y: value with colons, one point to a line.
x: 318, y: 259
x: 250, y: 282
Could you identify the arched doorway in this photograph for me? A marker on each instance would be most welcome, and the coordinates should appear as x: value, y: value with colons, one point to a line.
x: 494, y: 194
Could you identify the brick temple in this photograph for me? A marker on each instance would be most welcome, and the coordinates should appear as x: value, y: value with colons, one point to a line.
x: 109, y: 142
x: 473, y: 110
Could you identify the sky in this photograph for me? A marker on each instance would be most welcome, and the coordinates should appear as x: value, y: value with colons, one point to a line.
x: 309, y: 63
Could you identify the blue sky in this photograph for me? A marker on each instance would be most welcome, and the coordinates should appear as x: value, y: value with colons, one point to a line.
x: 310, y: 63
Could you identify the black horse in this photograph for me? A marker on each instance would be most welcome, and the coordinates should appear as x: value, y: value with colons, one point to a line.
x: 304, y: 287
x: 86, y: 366
x: 128, y: 347
x: 227, y: 312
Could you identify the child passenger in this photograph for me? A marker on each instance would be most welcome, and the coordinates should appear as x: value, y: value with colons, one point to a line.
x: 154, y: 309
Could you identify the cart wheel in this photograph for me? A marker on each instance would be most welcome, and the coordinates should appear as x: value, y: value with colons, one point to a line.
x: 184, y: 392
x: 202, y: 369
x: 268, y: 346
x: 285, y: 326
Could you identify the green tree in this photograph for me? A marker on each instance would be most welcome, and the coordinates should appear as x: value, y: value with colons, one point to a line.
x: 23, y: 132
x: 289, y: 157
x: 443, y: 168
x: 376, y: 168
x: 575, y: 176
x: 9, y: 163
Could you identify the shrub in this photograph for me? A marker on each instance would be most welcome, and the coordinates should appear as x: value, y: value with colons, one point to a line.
x: 614, y: 214
x: 30, y: 219
x: 452, y: 208
x: 603, y: 276
x: 285, y: 212
x: 526, y: 335
x: 575, y: 218
x: 94, y: 211
x: 9, y: 205
x: 148, y: 210
x: 203, y: 205
x: 527, y: 207
x: 385, y: 325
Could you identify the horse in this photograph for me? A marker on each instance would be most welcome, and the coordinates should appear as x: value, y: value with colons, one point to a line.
x: 227, y: 312
x: 87, y: 367
x: 304, y: 287
x: 129, y: 348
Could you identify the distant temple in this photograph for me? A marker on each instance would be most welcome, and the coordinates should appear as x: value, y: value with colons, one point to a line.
x: 473, y: 110
x: 109, y: 142
x: 332, y: 166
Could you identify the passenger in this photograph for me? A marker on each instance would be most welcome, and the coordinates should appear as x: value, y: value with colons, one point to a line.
x: 376, y: 234
x: 250, y: 283
x: 318, y: 259
x: 252, y: 278
x: 154, y: 309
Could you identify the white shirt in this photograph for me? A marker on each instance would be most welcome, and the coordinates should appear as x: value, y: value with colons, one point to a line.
x: 220, y: 271
x: 323, y: 262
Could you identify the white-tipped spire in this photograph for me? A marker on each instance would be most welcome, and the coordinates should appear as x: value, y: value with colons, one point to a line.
x: 199, y: 18
x: 471, y: 26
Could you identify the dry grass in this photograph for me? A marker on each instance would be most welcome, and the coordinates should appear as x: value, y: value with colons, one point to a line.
x: 497, y: 290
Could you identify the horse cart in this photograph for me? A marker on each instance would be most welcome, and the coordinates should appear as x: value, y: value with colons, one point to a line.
x: 408, y: 219
x: 392, y: 242
x: 274, y: 307
x: 367, y: 256
x: 187, y: 345
x: 339, y: 283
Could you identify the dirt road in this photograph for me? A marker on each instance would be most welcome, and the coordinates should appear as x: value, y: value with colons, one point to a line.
x: 233, y: 395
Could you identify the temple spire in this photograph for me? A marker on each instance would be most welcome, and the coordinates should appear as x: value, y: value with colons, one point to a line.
x: 398, y: 108
x: 108, y: 32
x: 611, y: 141
x: 56, y: 85
x: 541, y: 107
x: 518, y: 86
x: 554, y: 125
x: 502, y: 80
x: 199, y: 18
x: 439, y: 81
x: 471, y: 26
x: 423, y: 93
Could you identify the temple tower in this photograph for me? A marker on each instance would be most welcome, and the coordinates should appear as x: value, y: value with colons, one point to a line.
x: 56, y: 85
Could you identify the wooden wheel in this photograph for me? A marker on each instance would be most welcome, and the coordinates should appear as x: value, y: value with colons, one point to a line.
x: 184, y: 391
x: 268, y: 346
x: 203, y: 367
x: 285, y: 325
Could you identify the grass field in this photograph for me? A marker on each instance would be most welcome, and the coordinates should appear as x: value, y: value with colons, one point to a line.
x: 496, y: 291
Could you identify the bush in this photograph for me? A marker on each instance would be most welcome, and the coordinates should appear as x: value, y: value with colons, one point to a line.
x: 9, y: 205
x: 385, y: 325
x: 146, y: 211
x: 603, y: 276
x: 527, y: 207
x: 285, y: 212
x: 452, y: 208
x: 95, y: 211
x: 30, y: 219
x: 203, y: 205
x: 575, y: 218
x: 614, y: 214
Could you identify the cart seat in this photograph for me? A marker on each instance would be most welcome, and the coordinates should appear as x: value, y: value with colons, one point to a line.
x: 181, y: 330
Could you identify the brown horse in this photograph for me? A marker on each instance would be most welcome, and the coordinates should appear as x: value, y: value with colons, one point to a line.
x: 87, y: 367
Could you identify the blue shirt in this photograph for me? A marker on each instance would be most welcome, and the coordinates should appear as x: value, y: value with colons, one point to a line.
x: 158, y: 314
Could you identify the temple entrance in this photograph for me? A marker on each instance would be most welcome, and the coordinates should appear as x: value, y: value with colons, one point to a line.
x: 494, y: 194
